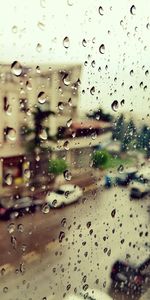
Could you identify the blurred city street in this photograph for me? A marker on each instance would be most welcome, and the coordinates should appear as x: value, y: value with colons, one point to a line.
x: 69, y: 247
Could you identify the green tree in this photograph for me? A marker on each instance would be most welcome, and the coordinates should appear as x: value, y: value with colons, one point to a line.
x: 100, y: 158
x: 36, y: 137
x: 119, y: 128
x: 57, y: 166
x: 129, y: 138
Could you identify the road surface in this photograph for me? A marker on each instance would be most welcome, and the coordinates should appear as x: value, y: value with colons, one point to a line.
x: 52, y: 254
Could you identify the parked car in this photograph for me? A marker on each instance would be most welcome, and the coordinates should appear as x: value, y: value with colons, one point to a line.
x: 139, y: 189
x: 127, y: 278
x: 66, y: 194
x: 126, y: 177
x: 19, y: 207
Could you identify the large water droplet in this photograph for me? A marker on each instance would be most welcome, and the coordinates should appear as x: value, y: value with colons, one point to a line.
x: 133, y: 9
x: 61, y: 236
x: 60, y: 105
x: 93, y: 135
x: 84, y: 42
x: 92, y: 90
x: 63, y: 222
x: 115, y: 105
x: 69, y: 122
x: 66, y: 80
x: 14, y: 29
x: 27, y: 173
x: 8, y: 179
x: 148, y: 25
x: 42, y: 97
x: 93, y: 63
x: 5, y: 289
x: 11, y: 228
x: 122, y: 102
x: 20, y: 227
x: 38, y: 47
x: 41, y: 25
x: 102, y: 49
x: 11, y: 134
x: 38, y: 70
x: 66, y: 145
x: 67, y: 175
x: 66, y: 42
x: 46, y: 208
x: 16, y: 68
x: 101, y: 11
x: 120, y: 169
x: 29, y: 85
x: 43, y: 134
x: 70, y: 2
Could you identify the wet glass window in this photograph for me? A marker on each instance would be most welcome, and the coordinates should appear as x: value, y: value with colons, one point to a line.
x: 74, y: 150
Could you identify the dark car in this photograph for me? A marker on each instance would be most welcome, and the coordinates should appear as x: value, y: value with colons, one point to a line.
x: 125, y: 178
x: 18, y: 207
x: 126, y: 278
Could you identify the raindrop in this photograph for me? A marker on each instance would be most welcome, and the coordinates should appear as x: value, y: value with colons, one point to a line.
x: 115, y: 105
x: 148, y: 25
x: 93, y: 135
x: 113, y: 213
x: 131, y: 72
x: 67, y: 175
x: 42, y: 97
x: 22, y: 268
x: 38, y: 69
x: 61, y: 236
x: 93, y: 63
x: 11, y: 228
x: 132, y: 10
x: 122, y: 102
x: 9, y: 110
x: 8, y: 179
x: 42, y: 3
x: 70, y: 102
x: 3, y: 271
x: 29, y: 85
x: 38, y: 47
x: 69, y: 122
x: 43, y: 134
x: 101, y: 11
x: 102, y: 49
x: 84, y: 42
x: 120, y: 169
x: 16, y: 68
x: 20, y: 227
x: 92, y: 90
x: 11, y: 134
x: 45, y: 208
x: 41, y: 25
x: 5, y: 289
x: 146, y: 72
x: 63, y: 222
x: 14, y: 29
x: 66, y: 145
x: 27, y: 173
x: 66, y: 80
x: 54, y: 203
x: 60, y: 105
x: 70, y: 2
x: 66, y: 42
x: 88, y: 225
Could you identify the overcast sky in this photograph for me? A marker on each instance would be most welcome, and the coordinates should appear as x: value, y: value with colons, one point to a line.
x: 32, y: 31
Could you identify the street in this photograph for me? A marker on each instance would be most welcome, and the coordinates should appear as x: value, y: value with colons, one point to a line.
x: 55, y: 252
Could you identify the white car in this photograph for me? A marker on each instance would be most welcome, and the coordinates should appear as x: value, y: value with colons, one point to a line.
x: 64, y: 195
x: 90, y: 294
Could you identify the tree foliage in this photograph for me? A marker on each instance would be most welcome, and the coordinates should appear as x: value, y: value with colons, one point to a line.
x: 57, y: 166
x: 100, y: 158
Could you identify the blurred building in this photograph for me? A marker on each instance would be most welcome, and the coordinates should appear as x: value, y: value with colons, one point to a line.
x: 55, y: 88
x: 21, y: 89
